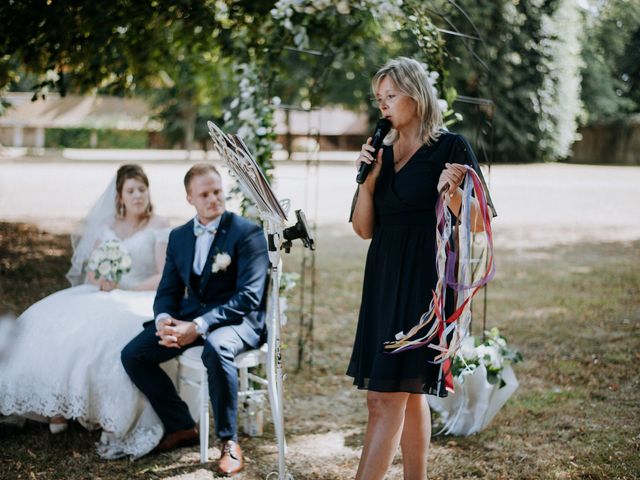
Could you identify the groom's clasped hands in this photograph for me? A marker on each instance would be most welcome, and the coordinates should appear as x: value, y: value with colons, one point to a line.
x: 176, y: 333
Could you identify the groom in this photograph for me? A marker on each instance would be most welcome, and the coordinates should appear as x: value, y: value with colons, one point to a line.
x: 211, y: 293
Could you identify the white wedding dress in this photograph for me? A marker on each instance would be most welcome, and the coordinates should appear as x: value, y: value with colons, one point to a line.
x: 65, y: 358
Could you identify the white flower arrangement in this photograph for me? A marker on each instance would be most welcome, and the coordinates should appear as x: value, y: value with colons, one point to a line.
x: 493, y: 353
x: 483, y: 382
x: 220, y: 262
x: 284, y: 10
x: 288, y: 280
x: 251, y: 116
x: 109, y: 261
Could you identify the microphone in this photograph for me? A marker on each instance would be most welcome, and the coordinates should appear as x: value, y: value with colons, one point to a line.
x: 382, y: 128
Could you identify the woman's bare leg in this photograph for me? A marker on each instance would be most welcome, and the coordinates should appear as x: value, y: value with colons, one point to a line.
x: 384, y: 429
x: 415, y: 439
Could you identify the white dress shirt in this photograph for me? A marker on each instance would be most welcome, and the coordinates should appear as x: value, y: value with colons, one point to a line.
x: 203, y: 245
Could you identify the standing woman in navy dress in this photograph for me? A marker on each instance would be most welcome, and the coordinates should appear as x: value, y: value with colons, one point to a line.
x: 395, y: 208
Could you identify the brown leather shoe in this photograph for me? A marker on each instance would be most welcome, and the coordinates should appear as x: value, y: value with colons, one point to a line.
x: 179, y: 438
x: 231, y: 460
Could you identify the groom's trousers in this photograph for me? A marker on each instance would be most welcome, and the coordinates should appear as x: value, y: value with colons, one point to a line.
x: 142, y: 357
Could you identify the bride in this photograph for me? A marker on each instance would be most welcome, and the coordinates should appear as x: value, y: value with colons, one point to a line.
x: 64, y: 362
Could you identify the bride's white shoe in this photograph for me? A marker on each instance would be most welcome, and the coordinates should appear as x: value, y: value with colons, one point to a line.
x: 58, y: 425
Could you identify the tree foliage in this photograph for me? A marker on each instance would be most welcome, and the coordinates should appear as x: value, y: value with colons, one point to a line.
x: 611, y: 53
x: 524, y: 58
x: 185, y: 54
x: 190, y: 55
x: 76, y: 45
x: 121, y: 47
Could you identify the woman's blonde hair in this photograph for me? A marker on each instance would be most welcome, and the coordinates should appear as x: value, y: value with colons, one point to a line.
x: 411, y: 79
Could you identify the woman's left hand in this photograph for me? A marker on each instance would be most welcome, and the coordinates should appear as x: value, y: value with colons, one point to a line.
x: 452, y: 176
x: 106, y: 285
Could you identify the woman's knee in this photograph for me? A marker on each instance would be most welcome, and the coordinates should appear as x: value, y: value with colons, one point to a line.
x: 382, y: 404
x: 417, y: 403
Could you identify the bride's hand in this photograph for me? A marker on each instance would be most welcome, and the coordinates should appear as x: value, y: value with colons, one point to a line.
x: 106, y: 285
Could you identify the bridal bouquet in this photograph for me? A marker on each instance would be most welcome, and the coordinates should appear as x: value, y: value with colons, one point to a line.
x: 109, y: 261
x: 483, y: 381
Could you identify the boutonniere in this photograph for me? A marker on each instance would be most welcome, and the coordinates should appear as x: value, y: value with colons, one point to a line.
x: 220, y: 262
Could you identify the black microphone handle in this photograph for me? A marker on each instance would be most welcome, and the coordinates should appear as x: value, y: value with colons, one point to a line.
x: 382, y: 129
x: 365, y: 168
x: 363, y: 171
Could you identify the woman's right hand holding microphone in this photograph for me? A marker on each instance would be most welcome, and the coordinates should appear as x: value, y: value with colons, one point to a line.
x: 366, y: 156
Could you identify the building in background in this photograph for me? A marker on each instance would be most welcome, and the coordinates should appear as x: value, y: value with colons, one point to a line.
x: 26, y: 123
x: 40, y: 123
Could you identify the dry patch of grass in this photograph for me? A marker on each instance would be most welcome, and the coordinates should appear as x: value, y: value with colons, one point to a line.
x: 573, y: 311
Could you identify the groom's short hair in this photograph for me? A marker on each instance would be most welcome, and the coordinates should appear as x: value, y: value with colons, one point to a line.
x: 199, y: 169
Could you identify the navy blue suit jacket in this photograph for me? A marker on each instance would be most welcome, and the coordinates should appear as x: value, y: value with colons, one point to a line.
x: 234, y: 296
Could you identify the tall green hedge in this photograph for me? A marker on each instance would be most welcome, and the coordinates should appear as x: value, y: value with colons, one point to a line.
x: 80, y: 138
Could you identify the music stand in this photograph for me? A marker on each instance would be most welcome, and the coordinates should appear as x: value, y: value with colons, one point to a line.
x: 273, y: 213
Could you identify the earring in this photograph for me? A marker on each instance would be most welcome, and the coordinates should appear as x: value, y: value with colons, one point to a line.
x: 121, y: 210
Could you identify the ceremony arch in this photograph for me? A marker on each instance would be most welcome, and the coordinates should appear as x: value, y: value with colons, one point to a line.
x: 297, y: 35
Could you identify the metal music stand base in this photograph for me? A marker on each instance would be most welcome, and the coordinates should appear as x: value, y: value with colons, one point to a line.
x: 274, y: 364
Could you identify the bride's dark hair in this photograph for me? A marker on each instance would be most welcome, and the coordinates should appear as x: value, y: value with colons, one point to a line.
x: 126, y: 172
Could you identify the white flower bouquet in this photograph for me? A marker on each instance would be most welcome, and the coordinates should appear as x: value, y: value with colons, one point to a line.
x: 109, y: 261
x: 483, y: 381
x: 493, y: 353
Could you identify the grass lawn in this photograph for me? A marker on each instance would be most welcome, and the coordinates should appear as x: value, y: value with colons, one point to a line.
x: 573, y: 312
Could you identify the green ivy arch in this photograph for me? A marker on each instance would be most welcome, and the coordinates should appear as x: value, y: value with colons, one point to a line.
x: 333, y: 29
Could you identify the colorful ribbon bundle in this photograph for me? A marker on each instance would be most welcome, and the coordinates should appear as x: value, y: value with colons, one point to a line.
x: 434, y: 327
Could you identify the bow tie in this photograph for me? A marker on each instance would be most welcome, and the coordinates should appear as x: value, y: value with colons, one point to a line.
x: 198, y: 229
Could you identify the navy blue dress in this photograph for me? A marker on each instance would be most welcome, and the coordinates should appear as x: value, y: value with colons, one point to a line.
x: 400, y: 271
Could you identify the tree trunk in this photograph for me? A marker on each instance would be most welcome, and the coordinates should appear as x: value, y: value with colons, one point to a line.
x: 189, y: 116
